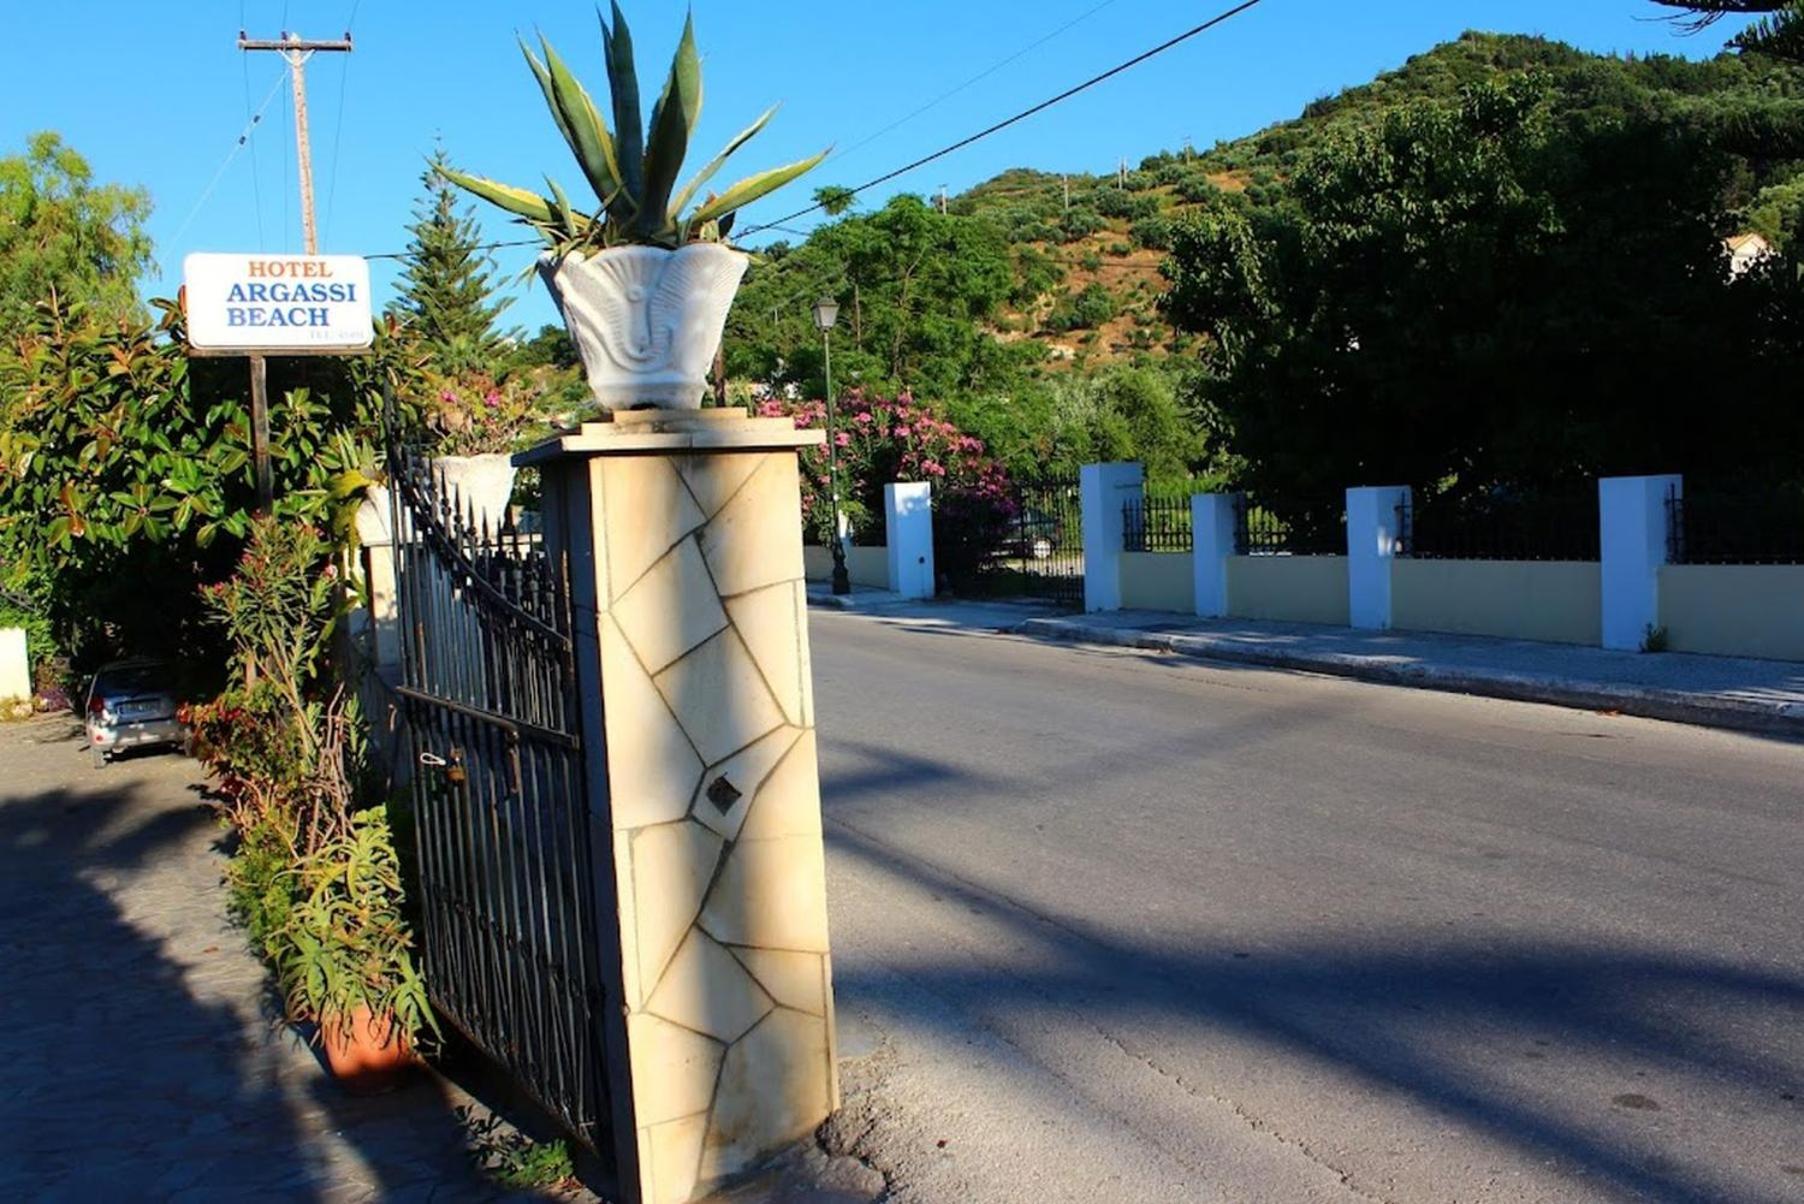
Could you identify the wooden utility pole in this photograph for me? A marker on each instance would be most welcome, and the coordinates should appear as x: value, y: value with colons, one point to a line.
x: 297, y: 50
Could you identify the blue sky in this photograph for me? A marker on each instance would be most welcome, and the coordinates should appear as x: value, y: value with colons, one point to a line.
x: 157, y: 93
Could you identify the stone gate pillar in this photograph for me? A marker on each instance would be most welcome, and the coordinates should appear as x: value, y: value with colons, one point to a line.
x: 683, y: 530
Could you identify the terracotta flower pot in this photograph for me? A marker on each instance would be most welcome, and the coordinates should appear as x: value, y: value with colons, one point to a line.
x: 645, y: 320
x: 367, y: 1054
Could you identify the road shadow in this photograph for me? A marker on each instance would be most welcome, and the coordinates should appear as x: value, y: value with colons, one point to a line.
x: 1668, y: 1074
x: 143, y: 1055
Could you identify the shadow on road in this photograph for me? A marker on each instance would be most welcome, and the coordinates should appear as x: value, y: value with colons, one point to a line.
x: 1507, y: 1041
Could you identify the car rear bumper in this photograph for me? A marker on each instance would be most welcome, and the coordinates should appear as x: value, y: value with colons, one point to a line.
x: 137, y: 734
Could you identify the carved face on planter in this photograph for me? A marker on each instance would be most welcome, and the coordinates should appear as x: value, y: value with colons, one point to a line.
x: 647, y: 321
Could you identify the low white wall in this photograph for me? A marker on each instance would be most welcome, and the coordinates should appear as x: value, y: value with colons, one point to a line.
x: 1157, y: 581
x: 15, y: 664
x: 868, y: 567
x: 1554, y: 600
x: 1733, y: 609
x: 1296, y: 589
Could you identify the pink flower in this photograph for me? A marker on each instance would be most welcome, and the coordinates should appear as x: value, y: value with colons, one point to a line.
x: 843, y: 439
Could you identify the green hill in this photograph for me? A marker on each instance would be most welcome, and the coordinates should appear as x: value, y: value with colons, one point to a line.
x: 1061, y: 273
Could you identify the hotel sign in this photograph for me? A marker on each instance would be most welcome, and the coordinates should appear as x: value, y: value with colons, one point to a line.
x: 267, y: 302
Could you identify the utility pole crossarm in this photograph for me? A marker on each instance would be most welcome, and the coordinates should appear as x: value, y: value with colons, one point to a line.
x: 292, y: 43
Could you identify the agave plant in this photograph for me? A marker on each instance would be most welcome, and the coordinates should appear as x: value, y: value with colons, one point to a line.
x: 632, y: 169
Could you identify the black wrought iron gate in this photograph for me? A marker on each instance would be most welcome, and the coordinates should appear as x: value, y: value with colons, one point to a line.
x: 502, y: 824
x: 1041, y: 554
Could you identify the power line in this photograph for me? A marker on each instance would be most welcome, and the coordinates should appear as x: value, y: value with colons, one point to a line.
x: 978, y: 78
x: 244, y: 136
x: 338, y: 129
x: 339, y: 125
x: 256, y: 171
x: 1067, y: 94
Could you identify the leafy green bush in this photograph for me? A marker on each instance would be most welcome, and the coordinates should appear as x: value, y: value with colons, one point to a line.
x: 1090, y: 307
x: 314, y: 876
x: 1153, y: 233
x: 1197, y: 187
x: 1113, y: 202
x: 1079, y: 223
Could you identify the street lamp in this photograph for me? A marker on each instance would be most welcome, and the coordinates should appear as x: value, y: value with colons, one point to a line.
x: 826, y: 313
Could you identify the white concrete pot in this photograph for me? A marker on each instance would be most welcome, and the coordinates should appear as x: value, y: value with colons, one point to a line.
x: 480, y: 485
x: 647, y: 321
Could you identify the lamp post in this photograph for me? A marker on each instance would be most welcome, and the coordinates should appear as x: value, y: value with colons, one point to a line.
x: 826, y: 313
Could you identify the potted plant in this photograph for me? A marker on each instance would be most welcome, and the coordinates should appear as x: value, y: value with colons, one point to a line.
x: 344, y: 956
x: 478, y: 421
x: 644, y: 283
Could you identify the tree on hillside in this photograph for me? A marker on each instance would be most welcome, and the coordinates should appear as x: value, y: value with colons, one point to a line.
x: 915, y: 287
x: 1779, y: 31
x: 1491, y: 293
x: 448, y: 287
x: 61, y: 231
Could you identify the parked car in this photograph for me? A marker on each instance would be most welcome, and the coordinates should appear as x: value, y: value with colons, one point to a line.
x: 132, y: 704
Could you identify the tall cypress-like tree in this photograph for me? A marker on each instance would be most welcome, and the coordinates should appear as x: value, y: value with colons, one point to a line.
x: 448, y: 284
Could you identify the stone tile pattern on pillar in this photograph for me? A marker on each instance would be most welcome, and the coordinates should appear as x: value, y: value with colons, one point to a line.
x: 715, y: 797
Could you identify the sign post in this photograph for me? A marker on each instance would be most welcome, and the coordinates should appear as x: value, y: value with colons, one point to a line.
x: 262, y: 305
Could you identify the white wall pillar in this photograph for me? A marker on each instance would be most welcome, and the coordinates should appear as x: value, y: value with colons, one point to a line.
x: 15, y: 665
x: 1373, y: 530
x: 1102, y: 490
x: 1631, y: 528
x: 908, y: 527
x: 383, y: 619
x: 1212, y: 523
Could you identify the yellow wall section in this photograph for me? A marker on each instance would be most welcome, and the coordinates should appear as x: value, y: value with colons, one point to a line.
x: 1158, y: 581
x: 1553, y: 600
x: 865, y: 566
x: 1299, y: 589
x: 1734, y: 609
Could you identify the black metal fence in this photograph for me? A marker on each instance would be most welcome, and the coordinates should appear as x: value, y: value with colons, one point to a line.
x: 1554, y: 526
x: 1710, y: 526
x: 1156, y: 523
x: 1289, y: 528
x: 509, y: 920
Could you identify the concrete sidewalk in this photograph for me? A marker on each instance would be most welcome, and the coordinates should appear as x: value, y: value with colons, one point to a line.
x: 1751, y: 695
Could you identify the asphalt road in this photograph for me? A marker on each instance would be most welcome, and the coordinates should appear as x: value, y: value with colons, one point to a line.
x: 1112, y: 926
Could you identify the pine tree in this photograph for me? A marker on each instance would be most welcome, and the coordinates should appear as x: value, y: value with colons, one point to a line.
x: 1779, y: 32
x: 447, y: 282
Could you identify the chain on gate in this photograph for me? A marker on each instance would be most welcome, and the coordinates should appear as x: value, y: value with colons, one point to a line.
x: 502, y: 822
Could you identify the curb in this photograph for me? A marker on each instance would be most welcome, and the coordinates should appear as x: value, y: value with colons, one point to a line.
x: 1650, y: 702
x: 854, y: 601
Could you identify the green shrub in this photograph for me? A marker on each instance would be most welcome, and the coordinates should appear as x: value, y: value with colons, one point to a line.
x: 1088, y: 308
x: 1080, y: 223
x: 1153, y: 233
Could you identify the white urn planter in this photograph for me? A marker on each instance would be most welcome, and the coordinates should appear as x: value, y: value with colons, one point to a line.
x: 647, y: 321
x: 481, y: 485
